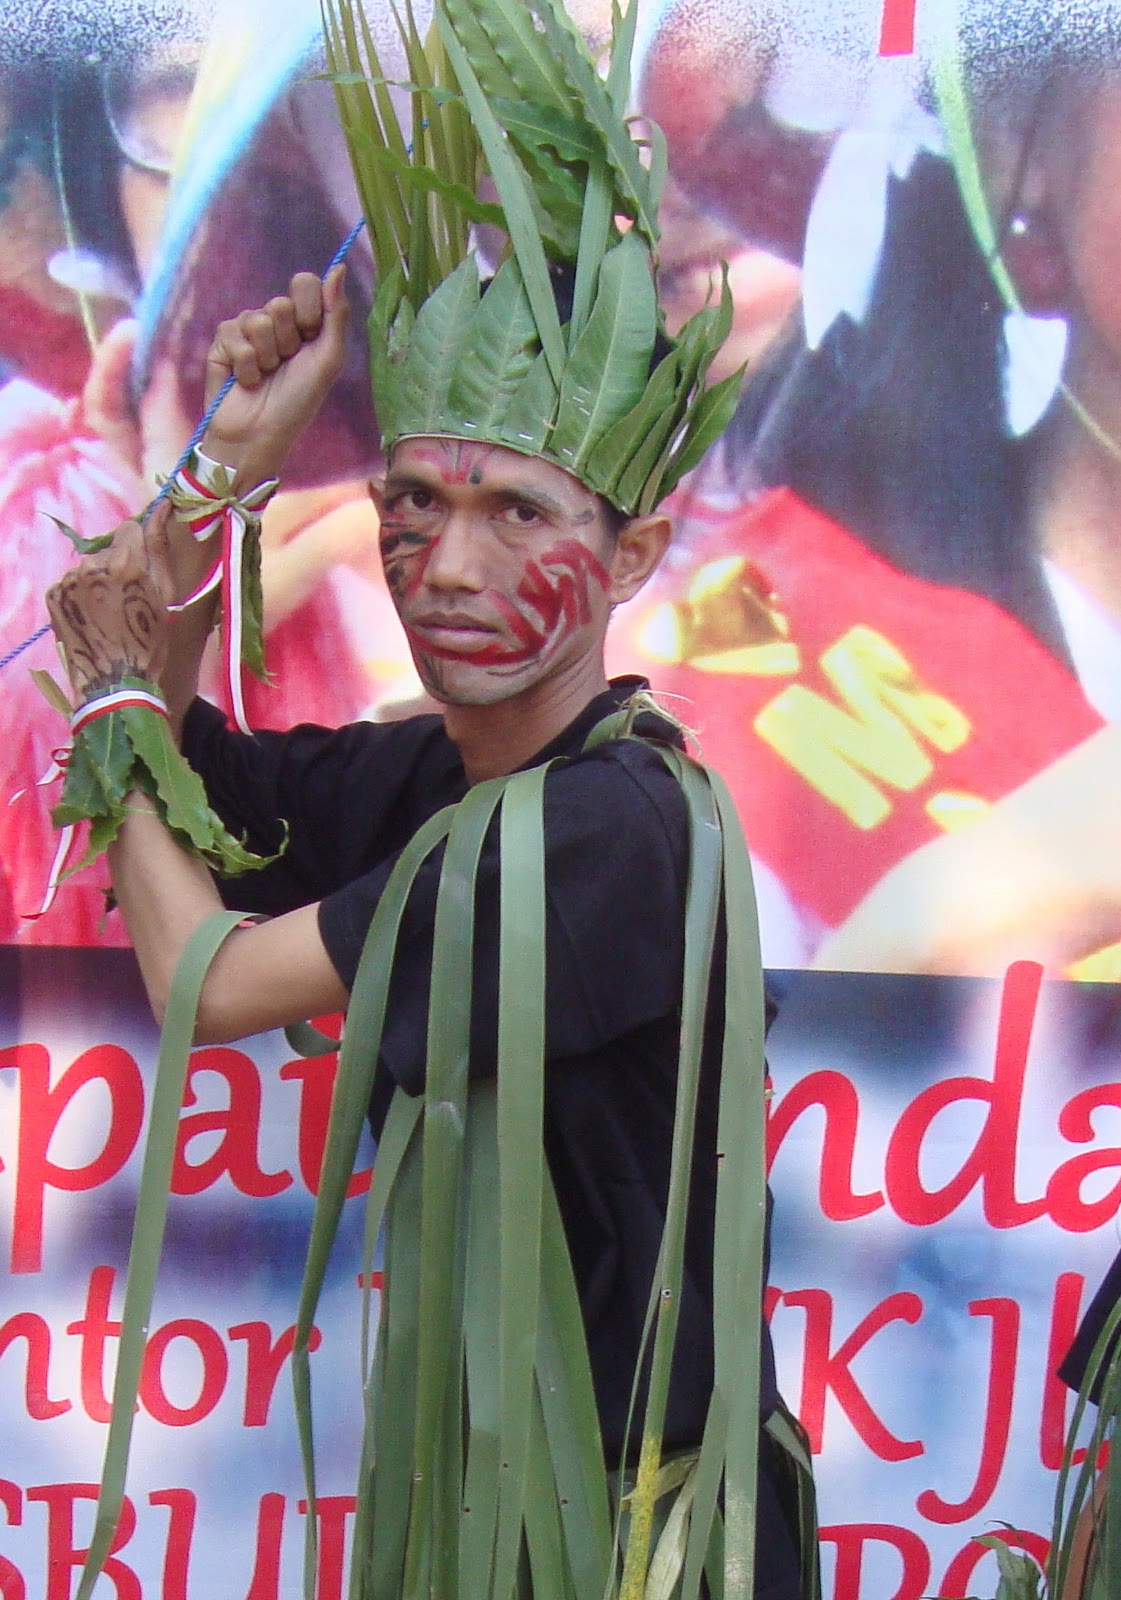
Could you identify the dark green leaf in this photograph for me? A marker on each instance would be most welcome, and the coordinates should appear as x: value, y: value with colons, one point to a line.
x: 710, y: 416
x: 528, y: 70
x: 607, y: 372
x: 624, y: 456
x: 182, y: 797
x: 434, y: 346
x: 497, y: 350
x: 530, y: 414
x: 516, y: 197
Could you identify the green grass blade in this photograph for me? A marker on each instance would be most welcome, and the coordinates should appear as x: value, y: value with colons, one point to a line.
x: 595, y: 231
x: 544, y: 1535
x: 397, y: 1134
x: 148, y: 1227
x: 480, y: 1316
x: 567, y: 1396
x: 521, y: 1056
x: 354, y: 1078
x: 395, y: 1412
x: 701, y: 909
x: 445, y: 1111
x: 740, y: 1200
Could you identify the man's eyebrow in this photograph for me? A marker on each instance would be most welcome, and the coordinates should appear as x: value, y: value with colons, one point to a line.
x: 399, y: 479
x: 402, y: 480
x: 539, y: 499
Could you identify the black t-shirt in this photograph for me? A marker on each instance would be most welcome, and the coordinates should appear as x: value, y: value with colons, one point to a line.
x: 615, y: 845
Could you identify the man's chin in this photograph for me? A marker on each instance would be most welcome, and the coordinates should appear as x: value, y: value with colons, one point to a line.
x: 457, y: 683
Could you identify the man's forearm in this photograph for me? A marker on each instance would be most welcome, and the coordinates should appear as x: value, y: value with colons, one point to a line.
x: 164, y: 894
x: 264, y: 976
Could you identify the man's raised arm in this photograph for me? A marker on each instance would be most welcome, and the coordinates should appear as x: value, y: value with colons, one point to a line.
x: 284, y: 358
x: 110, y: 618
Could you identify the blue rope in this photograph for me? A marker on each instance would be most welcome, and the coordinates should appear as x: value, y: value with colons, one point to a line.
x: 26, y: 645
x: 196, y: 437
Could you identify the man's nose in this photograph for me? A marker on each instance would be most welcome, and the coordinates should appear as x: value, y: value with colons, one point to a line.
x: 456, y: 562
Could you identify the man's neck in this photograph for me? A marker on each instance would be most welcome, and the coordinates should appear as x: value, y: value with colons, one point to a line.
x: 499, y: 738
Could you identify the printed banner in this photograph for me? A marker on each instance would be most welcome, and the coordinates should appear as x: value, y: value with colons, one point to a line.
x: 942, y: 1209
x: 890, y: 612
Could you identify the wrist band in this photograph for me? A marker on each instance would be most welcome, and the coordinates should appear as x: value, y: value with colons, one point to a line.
x: 115, y: 699
x: 120, y: 740
x: 202, y: 494
x: 202, y: 490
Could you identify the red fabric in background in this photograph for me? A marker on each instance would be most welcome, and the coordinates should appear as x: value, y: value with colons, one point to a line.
x: 47, y: 347
x: 1024, y: 706
x: 48, y: 464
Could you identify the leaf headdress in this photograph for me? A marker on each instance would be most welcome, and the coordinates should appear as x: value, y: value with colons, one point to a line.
x: 506, y: 99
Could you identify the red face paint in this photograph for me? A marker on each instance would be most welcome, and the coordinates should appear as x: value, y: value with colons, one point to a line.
x: 552, y: 600
x: 458, y: 461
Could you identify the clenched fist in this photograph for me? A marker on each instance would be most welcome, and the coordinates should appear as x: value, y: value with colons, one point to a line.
x: 284, y: 358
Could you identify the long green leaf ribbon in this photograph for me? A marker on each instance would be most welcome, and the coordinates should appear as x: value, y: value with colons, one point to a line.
x: 480, y: 1413
x: 148, y: 1227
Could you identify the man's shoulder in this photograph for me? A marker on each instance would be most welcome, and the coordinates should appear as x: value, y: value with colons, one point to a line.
x: 621, y: 790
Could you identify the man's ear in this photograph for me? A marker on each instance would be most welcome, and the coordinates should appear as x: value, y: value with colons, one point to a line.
x: 639, y: 546
x: 375, y: 488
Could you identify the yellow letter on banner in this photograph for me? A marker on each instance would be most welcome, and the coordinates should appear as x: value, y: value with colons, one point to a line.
x: 839, y: 749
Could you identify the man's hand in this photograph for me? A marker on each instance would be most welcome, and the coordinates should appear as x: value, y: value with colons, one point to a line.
x: 108, y: 614
x: 285, y: 358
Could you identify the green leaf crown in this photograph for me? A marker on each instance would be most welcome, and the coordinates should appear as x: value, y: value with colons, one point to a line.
x: 507, y: 91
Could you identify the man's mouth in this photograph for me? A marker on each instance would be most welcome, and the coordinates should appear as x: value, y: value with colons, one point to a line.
x: 453, y: 632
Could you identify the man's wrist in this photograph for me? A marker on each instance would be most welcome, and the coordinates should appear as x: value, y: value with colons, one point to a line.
x: 248, y: 464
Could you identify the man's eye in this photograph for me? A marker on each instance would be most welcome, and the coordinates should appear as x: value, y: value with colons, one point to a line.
x: 419, y: 500
x: 522, y: 515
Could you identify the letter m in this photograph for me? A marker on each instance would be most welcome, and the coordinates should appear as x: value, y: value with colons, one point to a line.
x: 874, y: 733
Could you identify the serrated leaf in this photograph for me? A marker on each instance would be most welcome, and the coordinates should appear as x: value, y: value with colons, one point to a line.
x: 496, y: 352
x: 434, y: 347
x: 85, y: 547
x: 710, y: 416
x: 523, y: 52
x: 608, y: 370
x: 516, y: 198
x: 529, y: 416
x: 569, y: 137
x: 180, y: 790
x: 590, y: 93
x: 97, y: 773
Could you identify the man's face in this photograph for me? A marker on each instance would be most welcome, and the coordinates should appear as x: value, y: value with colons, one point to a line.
x: 497, y: 564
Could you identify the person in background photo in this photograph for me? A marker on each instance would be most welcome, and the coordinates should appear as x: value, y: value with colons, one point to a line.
x: 911, y: 531
x: 150, y: 120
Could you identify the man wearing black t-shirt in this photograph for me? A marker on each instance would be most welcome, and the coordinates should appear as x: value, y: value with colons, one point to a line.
x: 504, y: 569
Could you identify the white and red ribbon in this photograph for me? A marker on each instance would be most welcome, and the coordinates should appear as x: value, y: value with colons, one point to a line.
x: 203, y: 497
